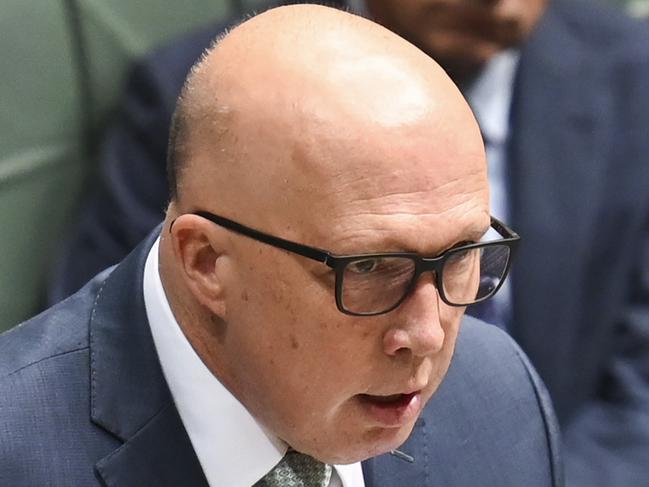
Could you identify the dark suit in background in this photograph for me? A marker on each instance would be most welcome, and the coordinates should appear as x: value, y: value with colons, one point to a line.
x: 579, y: 194
x: 109, y: 417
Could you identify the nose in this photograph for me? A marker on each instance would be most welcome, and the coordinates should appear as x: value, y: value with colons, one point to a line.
x: 417, y: 325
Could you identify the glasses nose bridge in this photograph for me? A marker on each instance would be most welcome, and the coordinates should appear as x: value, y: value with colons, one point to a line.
x: 429, y: 264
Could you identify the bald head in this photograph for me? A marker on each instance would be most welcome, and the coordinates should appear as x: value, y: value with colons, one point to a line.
x: 297, y: 79
x: 313, y: 125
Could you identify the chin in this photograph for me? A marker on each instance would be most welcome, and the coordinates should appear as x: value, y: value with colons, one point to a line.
x: 376, y: 442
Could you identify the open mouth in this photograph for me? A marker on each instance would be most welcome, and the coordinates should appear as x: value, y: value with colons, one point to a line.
x: 395, y: 400
x: 393, y: 410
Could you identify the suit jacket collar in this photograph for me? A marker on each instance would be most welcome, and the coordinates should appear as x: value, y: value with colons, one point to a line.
x: 119, y: 335
x: 129, y: 396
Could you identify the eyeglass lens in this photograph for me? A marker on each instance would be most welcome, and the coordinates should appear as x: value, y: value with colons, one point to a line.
x: 373, y: 285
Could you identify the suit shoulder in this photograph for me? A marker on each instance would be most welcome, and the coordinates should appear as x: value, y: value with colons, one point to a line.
x: 48, y: 437
x: 495, y: 363
x: 486, y: 350
x: 57, y: 331
x: 493, y: 396
x: 488, y: 339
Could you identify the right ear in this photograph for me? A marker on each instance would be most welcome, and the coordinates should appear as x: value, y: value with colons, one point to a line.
x: 200, y: 250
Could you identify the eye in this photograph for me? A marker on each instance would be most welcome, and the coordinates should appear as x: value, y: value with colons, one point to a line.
x: 364, y: 266
x: 460, y: 255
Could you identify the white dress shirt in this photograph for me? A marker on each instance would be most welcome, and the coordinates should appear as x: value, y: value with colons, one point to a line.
x: 233, y: 449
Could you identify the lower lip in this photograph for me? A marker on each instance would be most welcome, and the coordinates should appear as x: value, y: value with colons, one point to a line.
x: 395, y: 413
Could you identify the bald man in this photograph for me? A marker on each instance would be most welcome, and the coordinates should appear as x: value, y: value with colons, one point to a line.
x: 232, y: 349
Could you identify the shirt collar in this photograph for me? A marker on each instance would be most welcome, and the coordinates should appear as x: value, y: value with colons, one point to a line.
x: 232, y: 447
x: 490, y: 95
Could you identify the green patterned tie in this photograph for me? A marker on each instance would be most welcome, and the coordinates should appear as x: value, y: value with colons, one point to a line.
x: 297, y: 470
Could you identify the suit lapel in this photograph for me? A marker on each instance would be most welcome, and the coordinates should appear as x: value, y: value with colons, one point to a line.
x: 555, y: 176
x: 159, y: 454
x: 129, y: 396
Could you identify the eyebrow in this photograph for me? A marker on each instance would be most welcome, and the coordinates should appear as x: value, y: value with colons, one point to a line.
x: 476, y: 233
x: 471, y: 233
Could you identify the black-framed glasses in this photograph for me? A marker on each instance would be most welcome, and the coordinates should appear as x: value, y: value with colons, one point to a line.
x: 377, y: 283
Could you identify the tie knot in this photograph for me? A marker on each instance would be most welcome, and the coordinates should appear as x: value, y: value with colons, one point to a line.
x: 297, y: 470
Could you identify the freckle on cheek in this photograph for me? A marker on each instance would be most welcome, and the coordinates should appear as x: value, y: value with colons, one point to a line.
x: 244, y: 295
x: 294, y: 343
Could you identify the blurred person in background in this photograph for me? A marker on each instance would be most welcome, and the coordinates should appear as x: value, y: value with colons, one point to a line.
x: 559, y: 89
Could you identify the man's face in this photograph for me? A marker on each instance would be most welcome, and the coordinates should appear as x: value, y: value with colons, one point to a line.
x: 460, y: 34
x: 344, y: 388
x: 355, y: 142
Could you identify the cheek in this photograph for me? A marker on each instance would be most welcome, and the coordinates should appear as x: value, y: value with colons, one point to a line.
x: 451, y: 319
x: 289, y: 326
x: 297, y: 380
x: 262, y: 297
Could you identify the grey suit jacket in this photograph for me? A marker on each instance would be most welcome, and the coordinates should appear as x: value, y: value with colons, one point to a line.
x: 83, y: 402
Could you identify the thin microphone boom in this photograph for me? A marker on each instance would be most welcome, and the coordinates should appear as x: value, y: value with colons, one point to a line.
x: 402, y: 456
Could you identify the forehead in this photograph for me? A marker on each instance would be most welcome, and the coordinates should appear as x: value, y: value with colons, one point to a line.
x: 352, y: 185
x: 341, y: 180
x: 358, y: 150
x: 412, y: 189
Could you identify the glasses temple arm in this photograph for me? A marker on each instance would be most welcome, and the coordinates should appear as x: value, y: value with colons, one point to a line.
x: 313, y: 253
